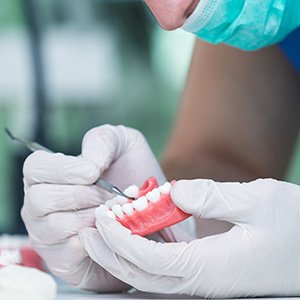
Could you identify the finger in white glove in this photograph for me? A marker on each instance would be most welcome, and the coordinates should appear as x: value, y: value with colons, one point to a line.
x: 45, y: 167
x: 146, y: 265
x: 122, y: 155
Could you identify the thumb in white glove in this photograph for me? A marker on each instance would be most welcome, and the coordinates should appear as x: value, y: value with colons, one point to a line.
x: 257, y: 257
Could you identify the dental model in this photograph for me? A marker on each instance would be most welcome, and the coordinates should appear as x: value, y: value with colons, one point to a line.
x: 16, y: 250
x: 152, y: 210
x: 20, y: 271
x: 19, y: 283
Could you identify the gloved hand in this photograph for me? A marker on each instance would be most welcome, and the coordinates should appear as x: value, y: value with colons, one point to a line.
x: 259, y: 256
x: 121, y: 154
x: 60, y: 199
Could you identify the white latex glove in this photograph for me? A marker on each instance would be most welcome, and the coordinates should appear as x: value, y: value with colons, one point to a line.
x: 121, y: 154
x: 60, y: 199
x: 259, y: 256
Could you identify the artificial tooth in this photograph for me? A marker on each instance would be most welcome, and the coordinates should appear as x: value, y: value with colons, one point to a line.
x: 132, y: 191
x: 111, y: 214
x: 120, y: 200
x: 140, y: 204
x: 127, y: 209
x: 153, y: 196
x: 117, y: 209
x: 165, y: 188
x: 110, y: 203
x: 101, y: 211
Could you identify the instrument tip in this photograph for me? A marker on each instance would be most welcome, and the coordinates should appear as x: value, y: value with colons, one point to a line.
x: 9, y: 133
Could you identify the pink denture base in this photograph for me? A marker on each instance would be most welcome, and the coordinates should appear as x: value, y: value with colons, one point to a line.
x: 156, y: 216
x: 29, y: 258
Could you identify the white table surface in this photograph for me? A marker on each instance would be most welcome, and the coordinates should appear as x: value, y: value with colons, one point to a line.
x: 71, y: 293
x: 66, y: 292
x: 137, y: 296
x: 81, y: 295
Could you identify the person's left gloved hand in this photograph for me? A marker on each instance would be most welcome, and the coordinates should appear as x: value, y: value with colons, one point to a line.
x: 259, y: 256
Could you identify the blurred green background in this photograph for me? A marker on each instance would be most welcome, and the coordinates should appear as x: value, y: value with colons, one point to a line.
x: 103, y: 61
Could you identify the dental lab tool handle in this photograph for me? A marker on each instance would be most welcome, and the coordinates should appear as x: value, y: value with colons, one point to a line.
x: 111, y: 188
x: 33, y: 146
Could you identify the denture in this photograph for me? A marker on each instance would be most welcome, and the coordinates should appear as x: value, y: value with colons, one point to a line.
x: 23, y: 256
x: 153, y: 209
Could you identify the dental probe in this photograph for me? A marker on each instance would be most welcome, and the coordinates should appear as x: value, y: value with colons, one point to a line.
x: 33, y: 146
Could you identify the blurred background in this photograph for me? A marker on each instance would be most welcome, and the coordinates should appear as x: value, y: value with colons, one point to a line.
x: 69, y: 65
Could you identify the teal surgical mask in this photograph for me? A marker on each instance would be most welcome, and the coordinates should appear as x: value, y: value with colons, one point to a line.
x: 245, y: 24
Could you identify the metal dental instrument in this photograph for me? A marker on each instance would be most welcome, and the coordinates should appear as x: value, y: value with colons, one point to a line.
x: 33, y: 146
x: 30, y: 145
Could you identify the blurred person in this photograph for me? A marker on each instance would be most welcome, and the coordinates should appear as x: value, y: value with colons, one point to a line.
x: 238, y: 121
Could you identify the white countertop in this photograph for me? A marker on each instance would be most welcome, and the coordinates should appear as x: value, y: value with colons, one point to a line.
x: 81, y: 295
x: 137, y: 296
x: 66, y: 292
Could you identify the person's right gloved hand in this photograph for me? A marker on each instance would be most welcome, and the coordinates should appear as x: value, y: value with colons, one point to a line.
x: 60, y: 199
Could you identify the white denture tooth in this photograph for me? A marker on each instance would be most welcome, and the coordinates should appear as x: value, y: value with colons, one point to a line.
x: 140, y: 204
x: 168, y: 187
x: 165, y: 188
x: 110, y: 203
x: 101, y: 211
x: 153, y: 196
x: 117, y: 209
x: 111, y: 214
x: 120, y: 200
x: 127, y: 209
x: 132, y: 191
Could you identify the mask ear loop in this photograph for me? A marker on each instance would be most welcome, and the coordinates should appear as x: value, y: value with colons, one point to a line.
x: 197, y: 20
